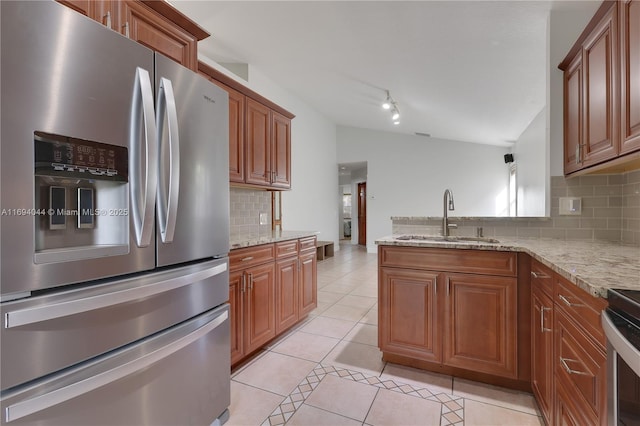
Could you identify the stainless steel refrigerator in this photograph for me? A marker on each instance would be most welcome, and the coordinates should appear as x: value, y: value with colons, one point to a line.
x: 114, y: 228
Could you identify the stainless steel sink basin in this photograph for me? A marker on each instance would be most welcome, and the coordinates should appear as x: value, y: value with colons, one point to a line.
x: 439, y: 238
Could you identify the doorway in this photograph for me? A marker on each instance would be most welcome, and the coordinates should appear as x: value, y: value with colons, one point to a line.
x: 362, y: 213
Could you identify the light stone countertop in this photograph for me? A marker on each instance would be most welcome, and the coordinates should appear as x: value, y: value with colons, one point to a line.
x: 594, y: 266
x: 250, y: 240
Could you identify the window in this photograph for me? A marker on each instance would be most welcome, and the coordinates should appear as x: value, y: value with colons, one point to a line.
x: 513, y: 191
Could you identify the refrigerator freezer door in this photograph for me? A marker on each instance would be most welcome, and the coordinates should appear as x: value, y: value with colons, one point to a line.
x: 76, y: 325
x: 151, y: 382
x: 201, y: 227
x: 62, y: 74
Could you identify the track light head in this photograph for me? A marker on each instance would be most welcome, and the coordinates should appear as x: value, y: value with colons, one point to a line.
x: 387, y: 102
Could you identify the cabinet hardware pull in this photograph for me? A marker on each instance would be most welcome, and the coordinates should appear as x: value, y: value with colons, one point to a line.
x: 107, y: 20
x: 250, y: 282
x: 243, y: 284
x: 568, y: 303
x: 542, y: 328
x: 435, y: 285
x: 126, y: 29
x: 246, y: 259
x: 568, y: 369
x: 448, y: 284
x: 537, y: 275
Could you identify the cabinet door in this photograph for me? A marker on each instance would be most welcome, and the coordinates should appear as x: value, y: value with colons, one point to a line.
x: 236, y: 291
x: 600, y: 56
x: 98, y: 10
x: 408, y: 314
x: 481, y: 324
x: 286, y: 293
x: 630, y: 77
x: 308, y: 282
x: 258, y: 138
x: 280, y: 150
x: 573, y: 115
x: 149, y: 28
x: 236, y: 135
x: 542, y: 352
x: 259, y: 306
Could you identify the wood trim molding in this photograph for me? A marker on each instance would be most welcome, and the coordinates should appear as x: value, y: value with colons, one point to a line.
x: 225, y: 79
x: 600, y: 13
x: 174, y: 15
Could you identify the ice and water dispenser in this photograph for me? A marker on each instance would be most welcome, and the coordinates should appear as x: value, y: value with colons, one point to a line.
x: 81, y: 198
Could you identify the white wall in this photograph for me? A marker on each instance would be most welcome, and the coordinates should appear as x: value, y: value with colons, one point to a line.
x: 531, y: 153
x: 310, y: 204
x: 407, y: 176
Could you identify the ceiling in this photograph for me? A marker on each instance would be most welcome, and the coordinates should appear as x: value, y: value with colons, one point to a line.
x: 471, y: 71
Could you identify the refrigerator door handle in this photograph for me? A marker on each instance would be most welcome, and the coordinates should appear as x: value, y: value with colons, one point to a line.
x: 37, y: 314
x: 144, y: 166
x: 168, y: 197
x: 63, y: 394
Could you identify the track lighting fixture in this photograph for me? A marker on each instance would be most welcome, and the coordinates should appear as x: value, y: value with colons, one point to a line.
x: 390, y: 104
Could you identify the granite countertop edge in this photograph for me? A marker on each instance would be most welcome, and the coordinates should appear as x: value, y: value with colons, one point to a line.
x: 251, y: 240
x: 594, y: 266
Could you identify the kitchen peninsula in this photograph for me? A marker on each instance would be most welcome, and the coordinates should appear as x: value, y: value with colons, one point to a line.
x: 523, y: 313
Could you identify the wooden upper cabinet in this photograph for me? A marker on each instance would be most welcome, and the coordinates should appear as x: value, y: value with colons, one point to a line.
x: 149, y: 28
x: 259, y: 135
x: 280, y: 150
x: 236, y: 135
x: 101, y: 11
x: 258, y: 144
x: 630, y: 75
x: 155, y: 24
x: 600, y: 59
x: 573, y: 116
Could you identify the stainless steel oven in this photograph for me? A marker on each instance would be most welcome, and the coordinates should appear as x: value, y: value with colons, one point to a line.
x: 621, y: 323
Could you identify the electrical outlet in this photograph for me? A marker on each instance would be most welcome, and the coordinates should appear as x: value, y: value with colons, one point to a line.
x: 264, y: 220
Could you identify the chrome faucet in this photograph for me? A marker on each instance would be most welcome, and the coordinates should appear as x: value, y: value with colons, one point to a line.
x: 445, y: 217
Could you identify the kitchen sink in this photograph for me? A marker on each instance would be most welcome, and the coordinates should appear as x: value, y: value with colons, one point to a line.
x: 440, y: 238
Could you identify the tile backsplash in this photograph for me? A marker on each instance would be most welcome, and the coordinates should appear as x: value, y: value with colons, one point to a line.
x: 245, y: 208
x: 610, y: 211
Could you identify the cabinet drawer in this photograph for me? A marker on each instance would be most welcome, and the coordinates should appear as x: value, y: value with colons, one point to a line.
x: 541, y: 277
x: 246, y: 257
x: 286, y: 248
x: 581, y: 365
x: 580, y: 306
x: 307, y: 243
x: 450, y: 260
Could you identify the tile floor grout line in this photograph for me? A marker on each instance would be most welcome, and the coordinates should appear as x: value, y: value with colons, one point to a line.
x: 297, y: 397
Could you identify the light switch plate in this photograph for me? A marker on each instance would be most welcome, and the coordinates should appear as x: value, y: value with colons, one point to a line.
x: 570, y: 206
x: 264, y: 220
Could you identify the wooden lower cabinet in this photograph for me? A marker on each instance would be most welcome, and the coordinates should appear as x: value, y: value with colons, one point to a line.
x: 308, y: 299
x: 568, y: 353
x: 542, y: 351
x: 480, y: 324
x: 259, y: 306
x: 286, y: 293
x: 454, y: 321
x: 271, y: 288
x: 417, y: 334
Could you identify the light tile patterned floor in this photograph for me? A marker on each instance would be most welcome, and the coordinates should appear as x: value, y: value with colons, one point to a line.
x: 329, y: 371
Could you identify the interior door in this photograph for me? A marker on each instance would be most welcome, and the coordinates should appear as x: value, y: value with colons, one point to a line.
x: 362, y: 213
